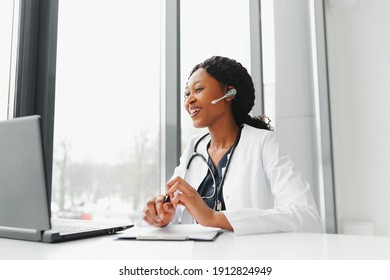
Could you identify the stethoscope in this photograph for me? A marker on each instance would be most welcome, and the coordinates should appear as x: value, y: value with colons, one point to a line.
x: 217, y: 201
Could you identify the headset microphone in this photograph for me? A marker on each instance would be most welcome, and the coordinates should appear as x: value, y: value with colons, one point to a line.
x: 231, y: 92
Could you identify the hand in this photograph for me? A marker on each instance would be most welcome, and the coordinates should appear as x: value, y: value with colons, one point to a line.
x: 181, y: 193
x: 158, y: 213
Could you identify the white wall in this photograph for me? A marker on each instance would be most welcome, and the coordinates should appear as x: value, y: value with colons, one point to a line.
x: 358, y: 35
x: 294, y: 98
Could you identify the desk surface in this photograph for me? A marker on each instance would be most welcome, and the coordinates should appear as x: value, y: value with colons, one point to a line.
x: 296, y: 246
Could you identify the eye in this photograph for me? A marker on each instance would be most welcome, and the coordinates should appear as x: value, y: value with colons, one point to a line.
x: 186, y: 95
x: 199, y: 89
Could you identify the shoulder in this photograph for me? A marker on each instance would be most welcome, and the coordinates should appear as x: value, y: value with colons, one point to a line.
x: 259, y: 141
x: 256, y: 135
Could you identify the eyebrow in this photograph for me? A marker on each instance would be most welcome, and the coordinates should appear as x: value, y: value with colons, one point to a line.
x: 186, y: 89
x: 196, y: 82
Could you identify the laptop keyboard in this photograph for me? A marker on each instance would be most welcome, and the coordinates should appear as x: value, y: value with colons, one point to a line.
x: 70, y: 226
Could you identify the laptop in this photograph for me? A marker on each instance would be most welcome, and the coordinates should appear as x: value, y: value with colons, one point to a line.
x: 25, y: 211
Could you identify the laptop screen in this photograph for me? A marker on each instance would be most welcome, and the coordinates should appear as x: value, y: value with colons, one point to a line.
x: 23, y: 195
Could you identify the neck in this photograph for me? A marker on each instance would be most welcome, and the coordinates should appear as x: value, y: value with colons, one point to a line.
x: 223, y: 136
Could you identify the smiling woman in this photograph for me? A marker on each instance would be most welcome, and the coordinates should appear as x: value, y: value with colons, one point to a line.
x: 244, y: 182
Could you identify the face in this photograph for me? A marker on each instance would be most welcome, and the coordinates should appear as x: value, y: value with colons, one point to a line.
x: 201, y: 90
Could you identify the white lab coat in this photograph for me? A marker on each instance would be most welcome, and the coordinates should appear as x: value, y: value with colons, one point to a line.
x: 263, y: 192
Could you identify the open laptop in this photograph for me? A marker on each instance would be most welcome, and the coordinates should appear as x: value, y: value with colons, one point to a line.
x: 24, y: 197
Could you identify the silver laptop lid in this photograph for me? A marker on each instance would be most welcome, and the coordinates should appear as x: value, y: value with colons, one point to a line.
x: 24, y: 202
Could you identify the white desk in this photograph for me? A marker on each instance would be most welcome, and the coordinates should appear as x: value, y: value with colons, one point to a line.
x: 291, y: 246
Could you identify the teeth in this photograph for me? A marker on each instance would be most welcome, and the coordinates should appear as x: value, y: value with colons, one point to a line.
x: 194, y: 111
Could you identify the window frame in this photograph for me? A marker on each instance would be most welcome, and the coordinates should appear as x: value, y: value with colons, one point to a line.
x: 36, y: 75
x: 36, y: 70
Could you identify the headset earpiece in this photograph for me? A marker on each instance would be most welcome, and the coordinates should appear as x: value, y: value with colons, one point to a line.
x: 231, y: 92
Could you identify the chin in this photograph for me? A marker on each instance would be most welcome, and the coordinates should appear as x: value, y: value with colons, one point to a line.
x: 198, y: 125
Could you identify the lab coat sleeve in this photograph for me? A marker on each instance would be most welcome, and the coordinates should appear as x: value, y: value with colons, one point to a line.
x: 294, y: 206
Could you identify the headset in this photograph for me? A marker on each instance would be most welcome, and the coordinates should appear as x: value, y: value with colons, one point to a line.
x: 231, y: 92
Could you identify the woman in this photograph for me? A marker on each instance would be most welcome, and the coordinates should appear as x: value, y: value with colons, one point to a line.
x: 239, y: 179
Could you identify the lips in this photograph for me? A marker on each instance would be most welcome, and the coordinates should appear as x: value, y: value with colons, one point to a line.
x: 194, y: 111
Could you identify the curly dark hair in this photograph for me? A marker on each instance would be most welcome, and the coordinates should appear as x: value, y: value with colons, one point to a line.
x: 231, y: 73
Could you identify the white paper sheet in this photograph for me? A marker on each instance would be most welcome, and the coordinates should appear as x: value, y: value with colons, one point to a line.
x: 172, y: 232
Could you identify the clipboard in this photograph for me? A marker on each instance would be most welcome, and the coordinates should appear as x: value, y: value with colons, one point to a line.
x: 175, y: 232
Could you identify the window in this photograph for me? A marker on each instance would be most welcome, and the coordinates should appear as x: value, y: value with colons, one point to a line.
x: 8, y: 34
x: 107, y: 112
x: 219, y: 27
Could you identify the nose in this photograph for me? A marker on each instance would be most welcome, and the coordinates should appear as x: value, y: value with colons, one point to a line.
x: 190, y: 99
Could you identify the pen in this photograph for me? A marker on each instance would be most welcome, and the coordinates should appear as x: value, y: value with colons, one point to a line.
x: 167, y: 199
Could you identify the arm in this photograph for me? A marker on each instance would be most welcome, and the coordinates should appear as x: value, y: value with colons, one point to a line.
x: 293, y: 207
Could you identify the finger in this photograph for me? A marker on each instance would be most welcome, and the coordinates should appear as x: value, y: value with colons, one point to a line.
x: 171, y: 191
x: 180, y: 186
x: 151, y: 207
x: 151, y: 211
x: 161, y: 224
x: 159, y: 207
x: 148, y: 220
x: 168, y: 207
x: 168, y: 214
x: 179, y: 199
x: 172, y: 182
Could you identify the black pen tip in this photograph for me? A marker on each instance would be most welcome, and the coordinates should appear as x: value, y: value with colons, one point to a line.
x: 167, y: 199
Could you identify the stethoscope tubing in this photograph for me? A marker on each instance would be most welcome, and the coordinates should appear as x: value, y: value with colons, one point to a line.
x: 217, y: 189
